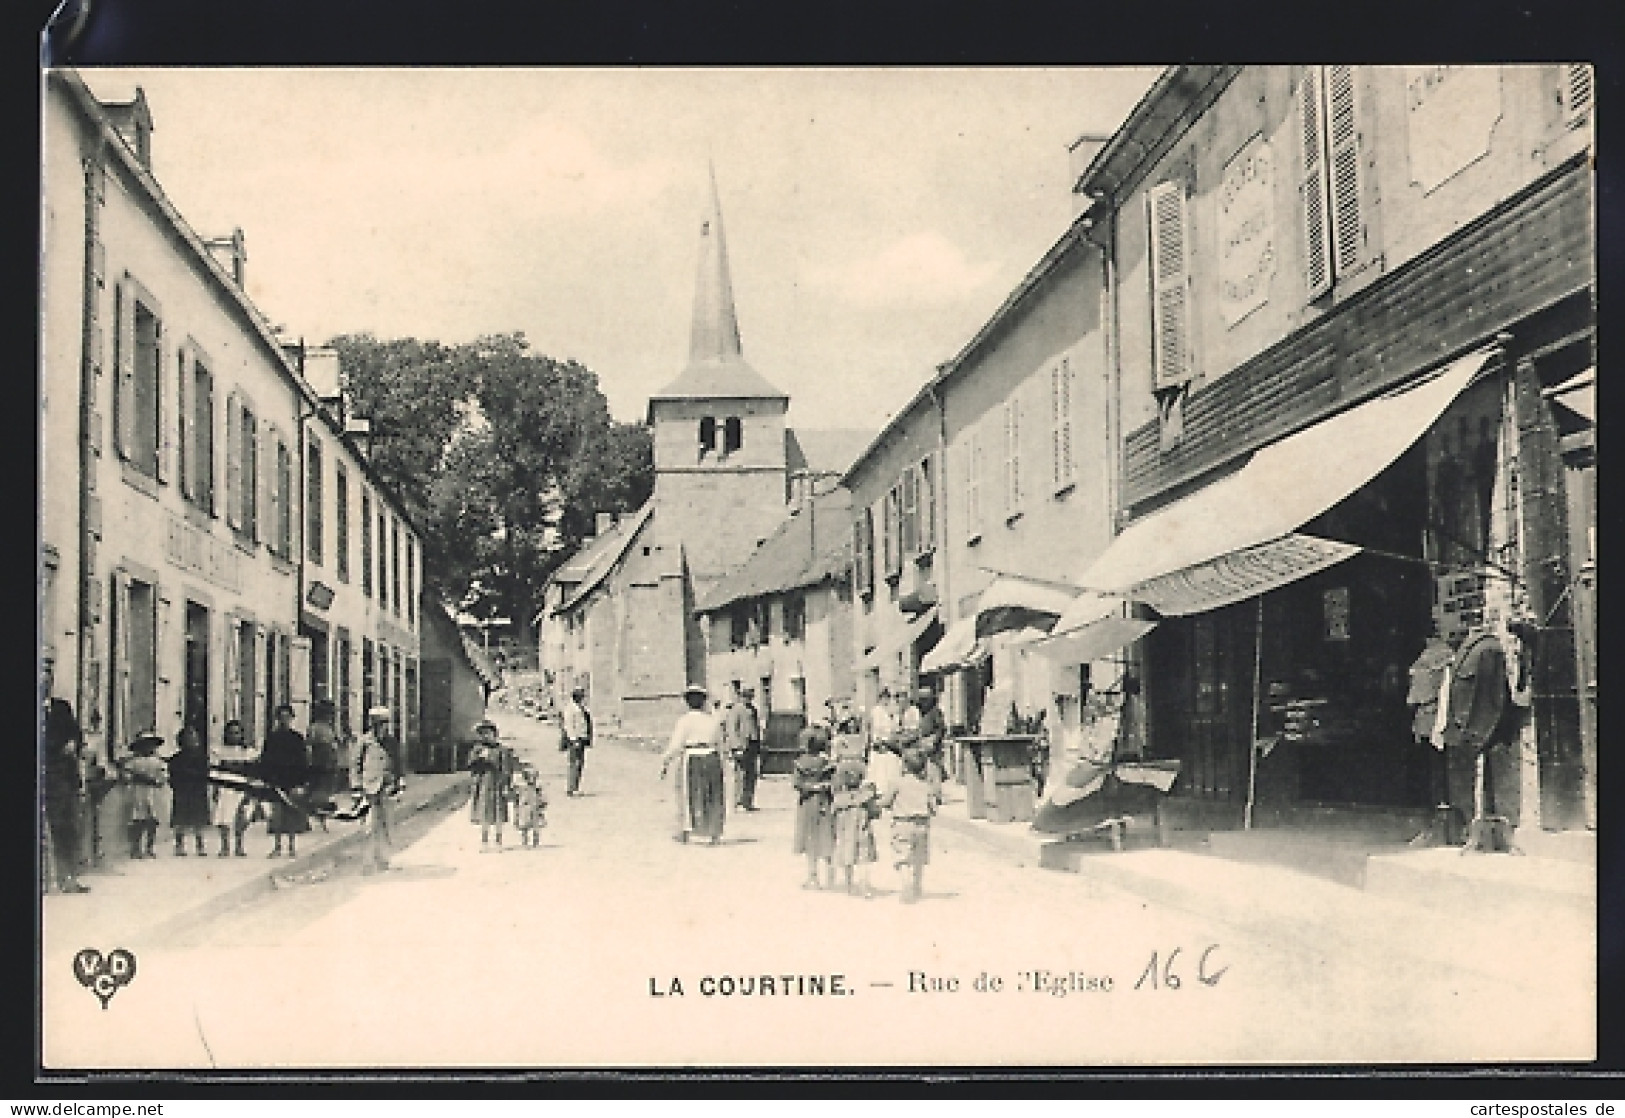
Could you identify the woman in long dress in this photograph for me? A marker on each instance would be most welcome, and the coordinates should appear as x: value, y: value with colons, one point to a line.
x: 697, y: 786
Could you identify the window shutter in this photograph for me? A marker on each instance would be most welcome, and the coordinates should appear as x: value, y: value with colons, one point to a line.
x: 1069, y: 395
x: 862, y: 570
x: 186, y: 466
x: 124, y: 378
x: 973, y: 484
x: 1060, y: 386
x: 251, y: 478
x: 1317, y: 251
x: 165, y: 435
x: 234, y: 660
x: 1012, y: 455
x: 234, y: 463
x: 120, y: 728
x: 1343, y: 136
x: 263, y: 667
x: 1577, y: 86
x: 929, y: 468
x: 909, y: 515
x: 1170, y: 284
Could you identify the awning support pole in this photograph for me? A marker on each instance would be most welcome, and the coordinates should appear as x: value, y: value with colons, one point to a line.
x: 1258, y: 706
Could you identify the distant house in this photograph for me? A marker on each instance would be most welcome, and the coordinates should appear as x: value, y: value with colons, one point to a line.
x: 457, y: 680
x: 782, y: 623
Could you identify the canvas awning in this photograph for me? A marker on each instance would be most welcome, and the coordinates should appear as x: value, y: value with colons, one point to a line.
x: 1241, y: 526
x: 1017, y: 602
x: 1578, y: 394
x: 1090, y: 628
x: 956, y: 649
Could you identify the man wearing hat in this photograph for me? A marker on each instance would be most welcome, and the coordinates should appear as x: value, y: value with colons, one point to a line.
x: 744, y: 738
x: 929, y: 729
x: 576, y: 737
x: 63, y: 785
x: 373, y: 773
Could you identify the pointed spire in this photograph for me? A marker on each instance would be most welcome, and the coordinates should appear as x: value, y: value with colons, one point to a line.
x: 716, y: 366
x: 715, y: 335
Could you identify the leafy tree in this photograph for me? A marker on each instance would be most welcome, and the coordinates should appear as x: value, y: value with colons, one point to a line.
x: 505, y: 453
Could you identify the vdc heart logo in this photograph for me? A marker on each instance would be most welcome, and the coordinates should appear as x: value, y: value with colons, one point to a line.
x: 103, y: 976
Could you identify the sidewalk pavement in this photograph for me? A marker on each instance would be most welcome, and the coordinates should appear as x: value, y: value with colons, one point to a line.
x: 151, y: 900
x: 1527, y: 921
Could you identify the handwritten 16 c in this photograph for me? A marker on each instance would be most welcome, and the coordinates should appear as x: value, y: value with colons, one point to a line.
x: 1163, y: 975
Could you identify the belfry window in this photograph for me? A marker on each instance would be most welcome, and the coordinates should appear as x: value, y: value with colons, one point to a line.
x: 708, y: 436
x: 733, y: 434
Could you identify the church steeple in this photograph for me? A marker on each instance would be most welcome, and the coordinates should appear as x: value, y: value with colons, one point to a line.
x: 716, y: 366
x: 715, y: 334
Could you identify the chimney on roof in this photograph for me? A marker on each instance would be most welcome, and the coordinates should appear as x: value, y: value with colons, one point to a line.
x: 133, y: 121
x: 1080, y: 153
x: 359, y: 431
x: 321, y: 369
x: 231, y: 254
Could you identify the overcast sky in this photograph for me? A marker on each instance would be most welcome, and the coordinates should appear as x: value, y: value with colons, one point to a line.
x: 874, y: 218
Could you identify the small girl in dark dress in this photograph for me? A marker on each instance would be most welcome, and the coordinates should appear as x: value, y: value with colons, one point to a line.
x: 189, y: 791
x: 815, y: 819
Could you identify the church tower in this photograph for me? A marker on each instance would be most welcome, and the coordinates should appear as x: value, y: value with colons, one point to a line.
x: 719, y: 436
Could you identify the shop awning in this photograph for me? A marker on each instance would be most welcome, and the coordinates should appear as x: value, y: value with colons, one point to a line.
x: 1578, y: 394
x: 1090, y: 628
x: 920, y: 624
x: 1281, y: 487
x: 1017, y: 602
x: 955, y: 650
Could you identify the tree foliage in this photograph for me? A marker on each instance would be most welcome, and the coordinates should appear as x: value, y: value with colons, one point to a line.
x: 505, y: 456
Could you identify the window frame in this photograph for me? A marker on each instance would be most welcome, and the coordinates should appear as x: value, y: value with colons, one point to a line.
x: 315, y: 535
x: 341, y: 521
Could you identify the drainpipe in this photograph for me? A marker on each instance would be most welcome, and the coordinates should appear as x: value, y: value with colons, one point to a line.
x: 304, y: 521
x: 95, y: 172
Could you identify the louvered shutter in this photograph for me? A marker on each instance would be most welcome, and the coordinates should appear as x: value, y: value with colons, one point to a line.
x: 263, y: 667
x: 164, y: 437
x: 124, y: 378
x: 909, y: 515
x: 859, y: 561
x: 1170, y: 284
x: 1343, y: 138
x: 930, y: 469
x: 1012, y: 456
x: 973, y: 484
x: 234, y: 663
x: 1577, y: 92
x: 186, y: 449
x: 1317, y: 249
x: 120, y: 728
x: 234, y: 463
x: 1060, y: 397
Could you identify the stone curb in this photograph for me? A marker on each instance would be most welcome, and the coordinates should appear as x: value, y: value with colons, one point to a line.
x: 263, y: 884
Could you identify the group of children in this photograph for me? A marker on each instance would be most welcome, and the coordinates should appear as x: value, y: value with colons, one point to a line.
x: 840, y: 799
x: 504, y: 790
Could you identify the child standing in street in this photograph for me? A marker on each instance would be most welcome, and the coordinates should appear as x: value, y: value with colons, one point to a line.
x: 815, y: 824
x: 912, y: 802
x: 528, y: 805
x: 147, y: 774
x: 855, y: 805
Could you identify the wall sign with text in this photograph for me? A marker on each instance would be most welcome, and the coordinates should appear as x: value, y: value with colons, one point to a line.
x: 1246, y: 231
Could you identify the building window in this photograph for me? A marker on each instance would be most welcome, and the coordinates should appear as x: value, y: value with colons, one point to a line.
x: 282, y: 500
x: 383, y: 558
x: 134, y: 657
x: 136, y: 410
x: 247, y: 667
x: 341, y: 520
x: 738, y: 627
x: 342, y: 681
x: 1330, y: 152
x: 313, y: 503
x: 1012, y: 456
x: 366, y: 543
x: 197, y: 439
x: 795, y: 617
x: 908, y: 512
x: 1577, y: 93
x: 926, y: 499
x: 863, y: 552
x: 369, y: 681
x: 708, y: 436
x: 1170, y: 285
x: 242, y: 470
x: 411, y: 582
x: 973, y: 485
x: 395, y: 566
x: 1062, y: 391
x: 891, y: 530
x: 733, y: 434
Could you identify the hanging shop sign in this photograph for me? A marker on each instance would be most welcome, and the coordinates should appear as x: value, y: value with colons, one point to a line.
x: 1453, y: 111
x: 1240, y: 575
x: 1246, y: 231
x: 1458, y: 603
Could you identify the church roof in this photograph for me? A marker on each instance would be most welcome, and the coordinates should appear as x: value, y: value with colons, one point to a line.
x: 811, y: 546
x: 716, y: 364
